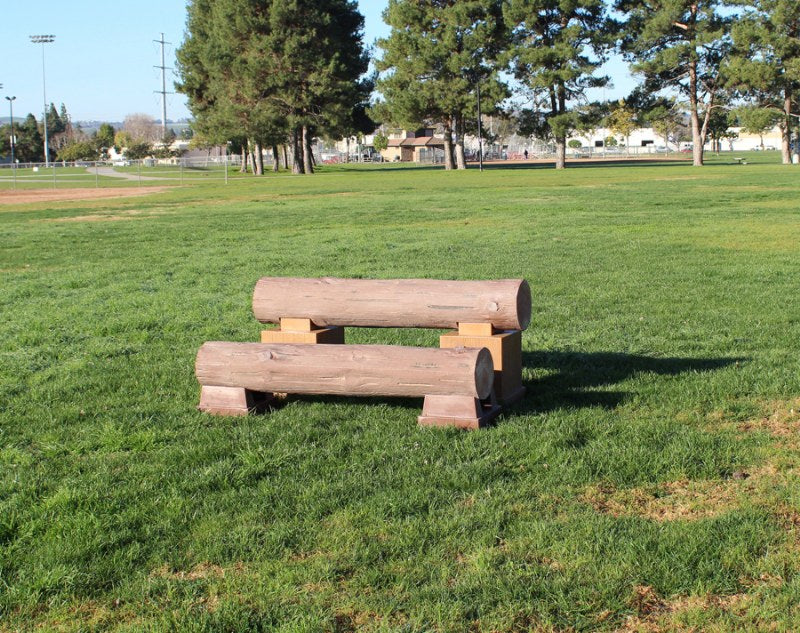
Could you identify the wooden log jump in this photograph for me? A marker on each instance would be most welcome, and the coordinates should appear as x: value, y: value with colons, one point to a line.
x: 456, y: 383
x: 489, y: 314
x: 423, y: 303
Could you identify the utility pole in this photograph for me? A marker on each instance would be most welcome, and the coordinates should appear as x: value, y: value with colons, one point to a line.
x: 163, y: 92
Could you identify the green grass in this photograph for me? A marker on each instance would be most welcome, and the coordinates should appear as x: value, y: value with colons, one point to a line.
x: 661, y: 364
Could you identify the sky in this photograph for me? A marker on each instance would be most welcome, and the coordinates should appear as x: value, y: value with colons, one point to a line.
x: 102, y: 62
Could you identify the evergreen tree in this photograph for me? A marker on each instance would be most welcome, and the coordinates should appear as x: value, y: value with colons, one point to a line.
x: 765, y: 66
x: 30, y: 143
x: 272, y: 69
x: 104, y: 137
x: 437, y: 56
x: 679, y: 45
x: 557, y: 47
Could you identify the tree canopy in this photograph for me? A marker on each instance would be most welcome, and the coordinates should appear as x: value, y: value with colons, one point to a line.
x: 273, y: 71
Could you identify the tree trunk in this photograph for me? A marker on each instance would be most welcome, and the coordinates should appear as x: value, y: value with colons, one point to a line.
x: 259, y: 164
x: 297, y: 153
x: 243, y: 168
x: 786, y: 129
x: 448, y: 147
x: 461, y: 161
x: 308, y: 164
x: 697, y: 139
x: 285, y: 153
x: 561, y: 139
x: 347, y: 150
x: 561, y: 152
x: 275, y: 159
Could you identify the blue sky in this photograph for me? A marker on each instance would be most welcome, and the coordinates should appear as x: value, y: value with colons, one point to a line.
x: 101, y: 64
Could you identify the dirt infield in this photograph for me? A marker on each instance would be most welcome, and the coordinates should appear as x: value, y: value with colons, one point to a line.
x: 53, y: 195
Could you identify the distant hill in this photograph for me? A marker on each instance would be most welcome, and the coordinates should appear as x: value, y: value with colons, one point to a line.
x: 91, y: 126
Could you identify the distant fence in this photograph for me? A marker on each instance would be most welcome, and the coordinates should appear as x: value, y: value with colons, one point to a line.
x: 185, y: 170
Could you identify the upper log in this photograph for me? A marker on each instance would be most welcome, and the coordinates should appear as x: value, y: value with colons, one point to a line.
x: 354, y: 370
x: 429, y: 303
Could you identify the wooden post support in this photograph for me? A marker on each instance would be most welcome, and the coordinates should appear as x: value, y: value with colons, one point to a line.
x: 233, y: 400
x: 506, y: 350
x: 461, y: 412
x: 303, y: 331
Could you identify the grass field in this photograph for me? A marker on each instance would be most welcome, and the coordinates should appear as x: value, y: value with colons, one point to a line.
x: 648, y: 481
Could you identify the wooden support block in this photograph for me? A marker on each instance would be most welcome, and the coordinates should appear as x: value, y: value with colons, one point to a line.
x: 462, y: 412
x: 297, y: 325
x: 506, y: 350
x: 233, y: 400
x: 475, y: 329
x: 327, y: 335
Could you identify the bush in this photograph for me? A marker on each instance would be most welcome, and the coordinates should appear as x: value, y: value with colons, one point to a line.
x: 82, y: 150
x: 137, y: 151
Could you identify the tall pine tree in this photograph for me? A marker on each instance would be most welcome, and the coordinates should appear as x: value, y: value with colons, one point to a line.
x: 679, y: 45
x: 272, y: 70
x: 557, y: 47
x: 438, y: 55
x: 765, y: 66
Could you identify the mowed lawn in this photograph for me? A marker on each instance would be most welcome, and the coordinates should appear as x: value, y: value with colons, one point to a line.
x: 648, y: 481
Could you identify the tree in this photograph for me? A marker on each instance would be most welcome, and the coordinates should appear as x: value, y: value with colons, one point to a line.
x: 104, y: 137
x: 141, y: 128
x: 30, y: 143
x: 380, y: 142
x: 138, y: 150
x: 667, y: 120
x: 719, y: 127
x: 622, y: 121
x: 679, y: 45
x: 438, y: 54
x: 557, y: 47
x: 272, y: 69
x: 79, y: 150
x: 765, y: 66
x: 755, y: 120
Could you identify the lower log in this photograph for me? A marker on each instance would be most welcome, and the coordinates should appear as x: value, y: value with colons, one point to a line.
x: 354, y: 370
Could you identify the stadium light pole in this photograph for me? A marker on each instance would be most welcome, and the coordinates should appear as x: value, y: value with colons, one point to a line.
x: 13, y: 140
x: 44, y: 39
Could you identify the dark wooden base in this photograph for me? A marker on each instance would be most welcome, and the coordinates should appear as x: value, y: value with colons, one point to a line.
x: 461, y: 412
x: 234, y: 401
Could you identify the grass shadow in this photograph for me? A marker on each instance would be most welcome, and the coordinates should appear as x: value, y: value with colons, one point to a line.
x: 576, y: 375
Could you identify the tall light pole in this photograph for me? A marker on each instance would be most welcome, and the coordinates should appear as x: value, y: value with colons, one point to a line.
x: 44, y: 39
x: 13, y: 140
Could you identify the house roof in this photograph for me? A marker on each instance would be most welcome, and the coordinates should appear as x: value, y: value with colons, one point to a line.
x: 422, y: 141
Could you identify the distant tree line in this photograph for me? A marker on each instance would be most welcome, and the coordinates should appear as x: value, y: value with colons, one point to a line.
x: 271, y: 75
x: 139, y: 137
x: 274, y: 74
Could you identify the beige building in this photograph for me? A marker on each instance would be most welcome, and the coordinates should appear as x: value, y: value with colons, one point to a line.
x: 420, y: 146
